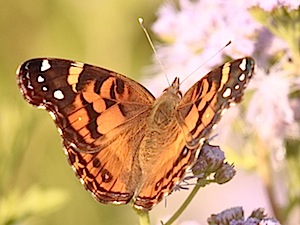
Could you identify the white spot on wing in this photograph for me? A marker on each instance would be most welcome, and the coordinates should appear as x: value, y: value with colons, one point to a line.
x: 138, y: 207
x: 81, y: 181
x: 114, y: 202
x: 232, y: 104
x: 106, y: 176
x: 223, y: 111
x: 243, y: 64
x: 74, y: 169
x: 45, y: 65
x: 73, y: 145
x: 41, y: 107
x: 237, y: 87
x: 227, y: 92
x: 58, y: 94
x: 242, y: 77
x: 214, y: 127
x: 77, y: 64
x: 197, y: 152
x: 201, y: 141
x: 66, y: 151
x: 27, y: 75
x: 29, y: 86
x: 60, y: 131
x: 40, y: 79
x: 52, y: 115
x: 44, y: 88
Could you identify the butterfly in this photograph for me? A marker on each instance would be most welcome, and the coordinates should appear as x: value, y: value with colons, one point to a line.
x: 124, y: 144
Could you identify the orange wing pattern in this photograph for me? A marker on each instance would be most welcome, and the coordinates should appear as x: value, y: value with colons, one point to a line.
x: 203, y: 104
x: 198, y: 111
x: 94, y: 110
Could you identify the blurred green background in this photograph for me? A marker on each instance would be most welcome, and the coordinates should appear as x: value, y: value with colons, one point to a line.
x: 37, y: 186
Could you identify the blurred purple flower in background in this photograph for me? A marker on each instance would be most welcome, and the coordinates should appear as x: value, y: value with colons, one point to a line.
x: 191, y: 32
x: 269, y: 111
x: 195, y: 30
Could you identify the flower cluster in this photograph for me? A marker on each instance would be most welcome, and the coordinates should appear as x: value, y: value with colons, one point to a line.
x: 270, y: 112
x: 235, y: 216
x: 211, y: 160
x: 192, y: 32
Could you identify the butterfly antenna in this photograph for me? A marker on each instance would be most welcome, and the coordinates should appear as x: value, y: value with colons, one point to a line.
x: 228, y: 43
x: 141, y: 21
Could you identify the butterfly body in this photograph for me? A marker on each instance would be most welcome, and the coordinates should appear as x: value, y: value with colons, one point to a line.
x: 123, y: 144
x: 161, y: 123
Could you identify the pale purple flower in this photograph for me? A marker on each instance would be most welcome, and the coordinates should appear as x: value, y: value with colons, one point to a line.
x: 267, y: 45
x: 193, y: 32
x: 269, y: 111
x: 203, y: 31
x: 269, y: 221
x: 235, y: 216
x: 227, y: 216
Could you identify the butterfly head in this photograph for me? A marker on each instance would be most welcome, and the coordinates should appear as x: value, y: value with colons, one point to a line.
x: 174, y: 88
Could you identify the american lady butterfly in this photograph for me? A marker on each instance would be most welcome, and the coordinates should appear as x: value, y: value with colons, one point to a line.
x: 122, y: 143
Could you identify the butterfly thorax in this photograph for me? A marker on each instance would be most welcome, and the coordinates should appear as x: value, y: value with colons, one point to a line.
x: 164, y: 108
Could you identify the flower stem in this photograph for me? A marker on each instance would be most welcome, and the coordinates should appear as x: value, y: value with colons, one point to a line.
x: 265, y: 170
x: 143, y: 217
x: 200, y: 183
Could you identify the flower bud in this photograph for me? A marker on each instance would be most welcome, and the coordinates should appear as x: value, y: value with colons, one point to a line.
x: 209, y: 160
x: 225, y: 173
x: 227, y: 216
x: 258, y: 213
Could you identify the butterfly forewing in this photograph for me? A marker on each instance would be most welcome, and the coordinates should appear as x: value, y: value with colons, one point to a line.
x: 87, y: 102
x: 121, y: 142
x: 202, y: 105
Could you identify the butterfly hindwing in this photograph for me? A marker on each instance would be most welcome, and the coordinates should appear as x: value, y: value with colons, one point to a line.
x: 171, y: 167
x: 108, y: 173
